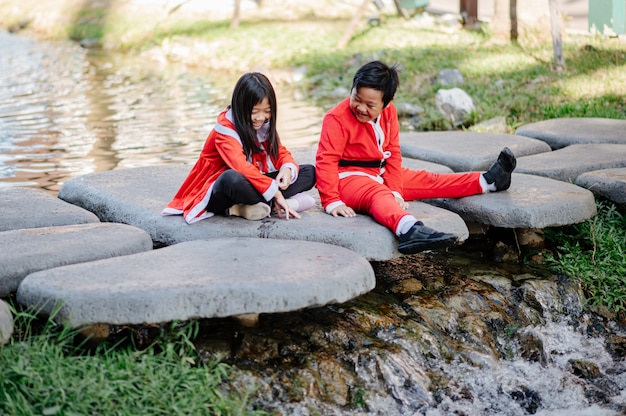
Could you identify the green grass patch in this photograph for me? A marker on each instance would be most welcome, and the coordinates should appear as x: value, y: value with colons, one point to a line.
x: 48, y: 370
x: 593, y: 252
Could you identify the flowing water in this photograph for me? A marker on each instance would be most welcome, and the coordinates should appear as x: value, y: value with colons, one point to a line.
x: 457, y: 334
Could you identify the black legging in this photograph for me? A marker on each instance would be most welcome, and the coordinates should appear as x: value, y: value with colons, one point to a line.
x: 231, y: 188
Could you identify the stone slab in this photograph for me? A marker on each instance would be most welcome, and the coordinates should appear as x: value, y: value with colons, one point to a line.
x: 137, y: 196
x: 568, y: 163
x: 200, y: 279
x: 465, y: 151
x: 566, y: 131
x: 30, y: 250
x: 530, y: 202
x: 33, y: 208
x: 607, y: 183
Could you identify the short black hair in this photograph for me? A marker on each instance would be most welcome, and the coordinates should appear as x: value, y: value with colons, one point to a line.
x: 379, y: 76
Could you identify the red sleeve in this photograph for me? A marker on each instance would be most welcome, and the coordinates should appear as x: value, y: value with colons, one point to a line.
x: 284, y: 158
x: 330, y: 148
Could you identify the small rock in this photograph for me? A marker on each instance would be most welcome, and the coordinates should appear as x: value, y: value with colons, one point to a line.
x: 6, y: 323
x: 450, y: 77
x: 454, y: 103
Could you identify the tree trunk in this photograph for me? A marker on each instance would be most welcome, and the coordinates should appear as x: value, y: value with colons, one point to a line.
x: 500, y: 24
x: 347, y: 35
x: 236, y: 15
x: 513, y: 15
x: 557, y: 42
x: 469, y: 12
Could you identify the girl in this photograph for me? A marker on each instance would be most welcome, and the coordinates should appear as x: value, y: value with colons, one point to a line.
x: 243, y: 168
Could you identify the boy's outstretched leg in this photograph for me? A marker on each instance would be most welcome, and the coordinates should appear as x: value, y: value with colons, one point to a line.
x: 498, y: 176
x: 421, y: 238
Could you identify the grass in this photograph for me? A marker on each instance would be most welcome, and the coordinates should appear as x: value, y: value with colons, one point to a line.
x: 593, y: 252
x: 48, y: 370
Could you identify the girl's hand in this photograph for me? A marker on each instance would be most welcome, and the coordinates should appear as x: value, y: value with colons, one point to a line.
x: 403, y: 204
x: 280, y: 205
x: 284, y: 178
x: 343, y: 210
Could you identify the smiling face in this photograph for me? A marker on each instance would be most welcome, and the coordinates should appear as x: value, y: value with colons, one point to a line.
x: 366, y: 103
x: 261, y: 112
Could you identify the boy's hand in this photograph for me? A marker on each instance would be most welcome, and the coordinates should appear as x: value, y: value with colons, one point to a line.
x: 343, y: 210
x: 284, y: 178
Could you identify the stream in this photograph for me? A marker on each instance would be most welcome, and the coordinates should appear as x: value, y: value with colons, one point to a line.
x: 465, y: 333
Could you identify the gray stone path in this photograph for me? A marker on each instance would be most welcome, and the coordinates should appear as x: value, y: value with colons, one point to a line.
x: 530, y: 202
x: 137, y: 197
x: 32, y: 208
x: 30, y: 250
x: 562, y: 132
x: 200, y: 279
x: 465, y: 151
x: 567, y: 163
x: 201, y: 273
x: 607, y: 183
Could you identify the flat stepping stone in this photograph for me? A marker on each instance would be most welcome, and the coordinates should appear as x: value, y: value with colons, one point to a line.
x: 30, y: 250
x: 607, y: 183
x: 568, y: 163
x: 200, y: 279
x: 34, y: 208
x: 530, y: 202
x: 465, y: 151
x: 562, y: 132
x: 137, y: 197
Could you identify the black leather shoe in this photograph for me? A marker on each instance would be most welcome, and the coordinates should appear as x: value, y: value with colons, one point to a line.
x: 500, y: 171
x: 422, y: 238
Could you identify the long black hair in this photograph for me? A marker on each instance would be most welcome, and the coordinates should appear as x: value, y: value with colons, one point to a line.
x: 378, y: 76
x: 250, y: 90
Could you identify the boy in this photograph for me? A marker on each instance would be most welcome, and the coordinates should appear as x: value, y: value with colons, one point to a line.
x: 359, y: 164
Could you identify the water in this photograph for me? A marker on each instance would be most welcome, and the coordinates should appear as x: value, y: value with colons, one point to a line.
x: 440, y: 335
x: 66, y: 111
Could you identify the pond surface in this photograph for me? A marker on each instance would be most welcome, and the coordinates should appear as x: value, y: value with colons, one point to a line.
x: 66, y: 111
x: 440, y: 335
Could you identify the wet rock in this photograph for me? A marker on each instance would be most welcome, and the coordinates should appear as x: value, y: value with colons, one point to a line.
x: 617, y: 345
x: 504, y: 253
x: 335, y: 381
x: 531, y: 346
x: 254, y: 347
x: 585, y: 369
x: 530, y: 238
x: 528, y: 399
x: 408, y: 286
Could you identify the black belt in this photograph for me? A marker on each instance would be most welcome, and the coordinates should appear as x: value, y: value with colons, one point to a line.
x: 363, y: 163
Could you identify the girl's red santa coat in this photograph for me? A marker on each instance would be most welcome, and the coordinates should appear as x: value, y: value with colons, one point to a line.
x: 223, y: 150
